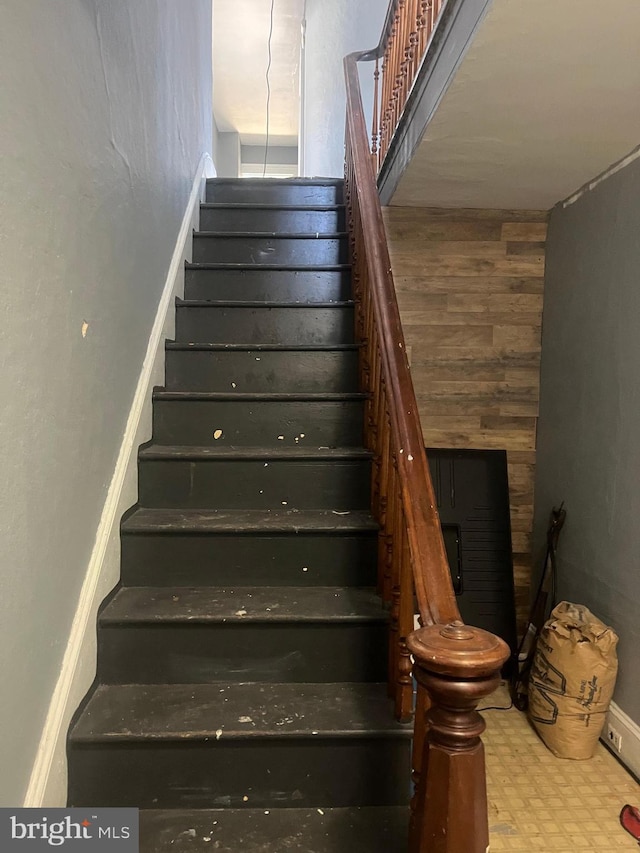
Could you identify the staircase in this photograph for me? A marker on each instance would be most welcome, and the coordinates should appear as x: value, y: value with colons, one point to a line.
x: 241, y: 697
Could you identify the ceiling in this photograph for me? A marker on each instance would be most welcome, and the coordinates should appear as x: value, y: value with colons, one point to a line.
x: 240, y: 58
x: 546, y: 98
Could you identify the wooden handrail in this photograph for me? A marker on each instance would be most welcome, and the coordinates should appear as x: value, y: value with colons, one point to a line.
x: 403, y: 44
x: 455, y: 666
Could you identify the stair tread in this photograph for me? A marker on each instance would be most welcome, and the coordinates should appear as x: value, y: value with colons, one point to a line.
x: 182, y: 346
x: 226, y: 710
x: 149, y: 520
x: 251, y: 604
x: 227, y: 303
x: 259, y: 396
x: 277, y: 454
x: 239, y: 205
x: 317, y: 830
x: 278, y: 182
x: 269, y: 267
x: 280, y: 235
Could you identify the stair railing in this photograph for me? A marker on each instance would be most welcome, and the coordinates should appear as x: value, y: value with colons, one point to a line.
x: 455, y: 666
x: 398, y: 57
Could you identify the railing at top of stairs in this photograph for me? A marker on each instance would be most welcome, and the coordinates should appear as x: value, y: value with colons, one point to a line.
x: 455, y: 666
x: 403, y: 44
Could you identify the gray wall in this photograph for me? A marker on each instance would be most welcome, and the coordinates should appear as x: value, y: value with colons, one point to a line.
x: 228, y: 154
x: 106, y: 110
x: 589, y: 430
x: 334, y: 29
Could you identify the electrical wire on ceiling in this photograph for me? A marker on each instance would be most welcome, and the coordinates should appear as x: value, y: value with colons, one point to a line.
x: 266, y: 146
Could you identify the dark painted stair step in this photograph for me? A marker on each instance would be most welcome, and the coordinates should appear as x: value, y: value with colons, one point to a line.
x: 292, y: 191
x: 264, y: 323
x: 270, y: 420
x: 191, y: 547
x: 275, y: 283
x: 272, y: 217
x: 229, y: 745
x: 250, y: 369
x: 254, y: 478
x: 355, y: 830
x: 260, y: 248
x: 266, y: 634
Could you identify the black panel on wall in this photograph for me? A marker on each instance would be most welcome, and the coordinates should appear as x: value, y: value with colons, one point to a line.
x: 472, y: 491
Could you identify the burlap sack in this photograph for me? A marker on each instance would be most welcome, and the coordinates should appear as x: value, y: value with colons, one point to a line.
x: 572, y: 680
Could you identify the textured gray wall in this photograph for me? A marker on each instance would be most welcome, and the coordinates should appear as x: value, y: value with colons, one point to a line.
x: 334, y: 29
x: 589, y: 430
x: 105, y: 111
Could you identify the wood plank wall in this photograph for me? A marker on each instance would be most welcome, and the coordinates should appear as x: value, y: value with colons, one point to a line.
x: 470, y: 287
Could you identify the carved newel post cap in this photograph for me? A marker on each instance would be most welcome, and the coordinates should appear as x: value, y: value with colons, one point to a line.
x: 456, y: 631
x: 458, y: 650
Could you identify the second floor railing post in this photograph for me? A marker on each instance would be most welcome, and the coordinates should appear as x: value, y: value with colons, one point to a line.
x: 457, y: 666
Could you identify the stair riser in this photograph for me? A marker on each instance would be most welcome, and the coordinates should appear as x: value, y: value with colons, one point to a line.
x: 314, y: 772
x: 257, y: 285
x: 258, y: 424
x: 286, y: 221
x: 276, y: 192
x: 254, y: 484
x: 251, y: 560
x: 268, y: 250
x: 307, y: 325
x: 198, y: 654
x: 288, y: 371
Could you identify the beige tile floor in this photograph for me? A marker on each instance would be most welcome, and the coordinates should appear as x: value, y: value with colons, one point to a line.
x: 538, y: 802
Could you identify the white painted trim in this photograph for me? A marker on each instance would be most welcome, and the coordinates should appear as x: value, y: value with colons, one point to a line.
x: 629, y: 755
x: 612, y: 170
x: 48, y: 782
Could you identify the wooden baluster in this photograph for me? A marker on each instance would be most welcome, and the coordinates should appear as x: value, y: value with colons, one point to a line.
x: 374, y: 121
x: 404, y: 693
x: 365, y: 341
x: 389, y: 101
x: 401, y: 614
x: 413, y: 41
x: 420, y: 729
x: 384, y: 100
x: 395, y: 84
x: 384, y: 443
x: 406, y: 53
x: 377, y: 405
x: 393, y: 572
x: 391, y: 73
x: 458, y: 666
x: 423, y: 29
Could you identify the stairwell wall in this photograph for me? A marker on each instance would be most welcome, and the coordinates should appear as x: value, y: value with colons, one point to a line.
x: 334, y: 29
x: 588, y: 448
x: 106, y: 112
x: 470, y: 289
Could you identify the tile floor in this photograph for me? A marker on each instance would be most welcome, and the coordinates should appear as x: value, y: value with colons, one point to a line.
x: 538, y: 802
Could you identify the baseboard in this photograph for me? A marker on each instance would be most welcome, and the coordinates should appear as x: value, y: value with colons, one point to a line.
x: 629, y: 731
x: 48, y: 781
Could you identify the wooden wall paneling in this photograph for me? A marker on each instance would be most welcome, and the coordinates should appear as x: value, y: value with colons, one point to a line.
x: 470, y: 288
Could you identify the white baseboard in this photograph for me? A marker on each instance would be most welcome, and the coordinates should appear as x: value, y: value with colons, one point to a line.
x: 48, y: 781
x: 629, y: 731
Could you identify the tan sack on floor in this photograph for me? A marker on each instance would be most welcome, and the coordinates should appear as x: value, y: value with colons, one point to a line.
x: 572, y: 680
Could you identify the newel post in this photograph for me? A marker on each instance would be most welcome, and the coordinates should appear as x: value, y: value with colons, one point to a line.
x: 458, y: 666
